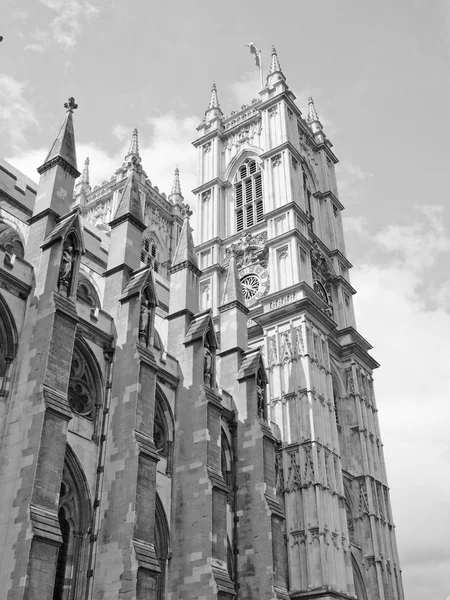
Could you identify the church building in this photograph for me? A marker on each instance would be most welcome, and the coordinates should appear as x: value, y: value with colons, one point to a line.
x: 180, y: 421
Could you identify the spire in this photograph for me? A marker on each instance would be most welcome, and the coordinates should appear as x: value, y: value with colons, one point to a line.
x: 130, y: 203
x: 176, y: 187
x: 85, y: 173
x: 63, y: 150
x: 175, y: 195
x: 82, y: 186
x: 214, y: 101
x: 233, y: 288
x: 314, y: 122
x: 185, y: 252
x: 133, y: 151
x: 274, y: 62
x: 312, y: 113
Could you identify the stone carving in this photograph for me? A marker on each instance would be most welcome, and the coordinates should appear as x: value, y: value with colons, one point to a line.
x: 208, y: 362
x: 273, y: 111
x: 309, y: 467
x: 144, y: 322
x: 350, y: 382
x: 273, y: 351
x: 363, y: 500
x: 66, y: 267
x: 283, y: 301
x: 249, y: 250
x: 286, y: 353
x: 300, y: 341
x: 261, y: 396
x: 207, y: 147
x: 276, y: 160
x: 294, y: 477
x: 279, y: 473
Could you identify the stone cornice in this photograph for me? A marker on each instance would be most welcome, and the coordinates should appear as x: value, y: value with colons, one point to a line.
x: 186, y: 264
x: 234, y: 304
x: 59, y: 161
x: 329, y: 194
x: 14, y: 285
x: 209, y: 184
x: 131, y: 219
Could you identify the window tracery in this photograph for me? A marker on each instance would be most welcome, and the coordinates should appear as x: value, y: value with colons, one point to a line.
x: 83, y: 393
x: 10, y: 240
x: 150, y: 254
x: 86, y: 293
x: 248, y: 192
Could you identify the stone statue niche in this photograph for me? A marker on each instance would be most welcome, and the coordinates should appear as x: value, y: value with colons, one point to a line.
x: 146, y: 319
x: 261, y: 396
x: 209, y: 360
x: 67, y: 265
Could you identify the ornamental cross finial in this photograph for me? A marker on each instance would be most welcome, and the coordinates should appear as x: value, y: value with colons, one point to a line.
x: 71, y: 105
x: 186, y: 211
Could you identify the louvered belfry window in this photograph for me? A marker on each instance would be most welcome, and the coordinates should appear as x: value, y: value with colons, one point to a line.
x: 248, y: 189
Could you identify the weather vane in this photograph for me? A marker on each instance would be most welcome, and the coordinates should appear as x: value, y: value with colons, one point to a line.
x: 71, y: 105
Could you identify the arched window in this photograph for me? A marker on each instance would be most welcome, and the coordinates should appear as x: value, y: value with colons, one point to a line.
x: 163, y: 427
x: 10, y: 240
x: 161, y: 546
x: 8, y: 345
x: 74, y: 520
x: 86, y: 293
x: 84, y: 383
x: 308, y: 195
x: 150, y: 254
x: 360, y: 588
x: 248, y: 192
x: 227, y: 467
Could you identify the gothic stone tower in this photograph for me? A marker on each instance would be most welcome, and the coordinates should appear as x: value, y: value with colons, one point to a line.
x: 268, y: 208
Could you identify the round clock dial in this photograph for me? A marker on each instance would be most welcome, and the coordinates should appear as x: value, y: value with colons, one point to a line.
x: 250, y: 286
x: 255, y: 283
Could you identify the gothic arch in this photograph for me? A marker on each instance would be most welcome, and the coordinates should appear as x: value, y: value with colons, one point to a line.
x: 11, y: 239
x: 162, y: 545
x: 308, y: 169
x: 87, y: 293
x: 350, y: 513
x: 93, y: 289
x: 75, y: 516
x: 86, y: 381
x: 360, y: 586
x: 240, y: 157
x: 8, y: 344
x: 164, y: 423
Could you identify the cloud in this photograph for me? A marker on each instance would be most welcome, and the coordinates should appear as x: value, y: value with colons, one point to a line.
x: 245, y: 89
x: 16, y: 113
x: 34, y: 48
x: 65, y: 24
x: 164, y: 142
x: 351, y: 178
x: 412, y: 342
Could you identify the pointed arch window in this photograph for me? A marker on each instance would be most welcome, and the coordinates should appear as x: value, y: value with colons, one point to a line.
x: 308, y: 203
x: 74, y: 517
x: 248, y: 193
x: 10, y: 240
x: 150, y: 254
x: 86, y: 293
x: 83, y: 393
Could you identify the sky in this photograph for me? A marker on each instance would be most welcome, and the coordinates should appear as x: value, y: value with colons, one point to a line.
x: 379, y: 75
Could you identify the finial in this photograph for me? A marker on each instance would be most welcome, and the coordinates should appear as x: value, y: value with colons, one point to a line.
x: 85, y: 173
x: 186, y: 211
x: 70, y: 105
x: 214, y: 101
x: 176, y: 187
x: 274, y: 62
x: 312, y: 113
x: 134, y: 145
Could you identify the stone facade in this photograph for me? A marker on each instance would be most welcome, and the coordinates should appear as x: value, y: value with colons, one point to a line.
x: 181, y: 422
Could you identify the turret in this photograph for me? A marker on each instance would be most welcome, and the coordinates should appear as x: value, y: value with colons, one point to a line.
x: 175, y: 196
x: 184, y: 272
x: 314, y: 122
x: 214, y: 111
x: 133, y: 152
x: 275, y: 76
x: 82, y: 187
x: 126, y: 240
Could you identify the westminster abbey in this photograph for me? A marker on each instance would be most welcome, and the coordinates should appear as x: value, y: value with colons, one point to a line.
x: 183, y: 421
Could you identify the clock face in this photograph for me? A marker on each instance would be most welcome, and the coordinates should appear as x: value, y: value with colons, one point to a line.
x: 255, y: 283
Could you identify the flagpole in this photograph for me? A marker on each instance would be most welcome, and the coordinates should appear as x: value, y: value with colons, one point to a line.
x: 260, y: 70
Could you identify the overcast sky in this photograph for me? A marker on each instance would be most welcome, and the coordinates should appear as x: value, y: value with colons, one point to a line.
x: 379, y: 75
